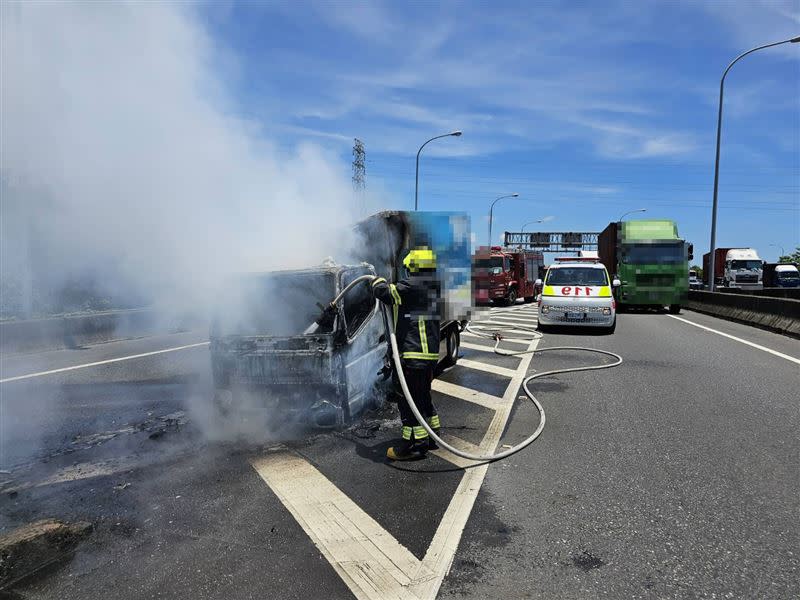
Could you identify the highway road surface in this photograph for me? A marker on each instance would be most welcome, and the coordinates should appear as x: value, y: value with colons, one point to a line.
x: 674, y: 475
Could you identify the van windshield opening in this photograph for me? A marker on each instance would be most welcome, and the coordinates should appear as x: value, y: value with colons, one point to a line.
x: 280, y: 304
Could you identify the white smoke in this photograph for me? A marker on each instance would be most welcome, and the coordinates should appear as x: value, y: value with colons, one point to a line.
x: 122, y: 157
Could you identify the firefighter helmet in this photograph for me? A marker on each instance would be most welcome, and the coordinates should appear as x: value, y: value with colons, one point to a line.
x: 421, y: 258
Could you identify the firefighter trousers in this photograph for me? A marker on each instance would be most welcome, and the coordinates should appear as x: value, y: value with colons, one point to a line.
x: 419, y: 385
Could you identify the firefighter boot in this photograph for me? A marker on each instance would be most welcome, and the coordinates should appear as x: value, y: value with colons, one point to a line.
x: 436, y: 425
x: 410, y: 447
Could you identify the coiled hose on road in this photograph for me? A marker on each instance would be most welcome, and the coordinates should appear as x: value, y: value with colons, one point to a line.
x: 497, y: 336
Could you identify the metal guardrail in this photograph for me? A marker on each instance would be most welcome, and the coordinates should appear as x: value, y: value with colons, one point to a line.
x: 774, y: 313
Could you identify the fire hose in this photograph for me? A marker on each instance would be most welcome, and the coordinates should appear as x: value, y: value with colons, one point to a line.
x: 497, y: 336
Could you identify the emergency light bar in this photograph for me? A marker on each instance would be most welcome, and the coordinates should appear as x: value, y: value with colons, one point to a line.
x: 580, y: 259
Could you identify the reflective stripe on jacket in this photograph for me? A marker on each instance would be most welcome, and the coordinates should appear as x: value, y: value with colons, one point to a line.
x: 414, y: 303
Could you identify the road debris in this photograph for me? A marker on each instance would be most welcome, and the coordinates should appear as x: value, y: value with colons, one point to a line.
x: 36, y: 545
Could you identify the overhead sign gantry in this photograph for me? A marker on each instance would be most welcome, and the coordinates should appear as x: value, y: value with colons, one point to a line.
x: 553, y: 241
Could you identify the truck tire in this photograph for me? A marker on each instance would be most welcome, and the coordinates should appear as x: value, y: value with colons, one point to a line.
x: 674, y: 309
x: 453, y: 341
x: 511, y: 299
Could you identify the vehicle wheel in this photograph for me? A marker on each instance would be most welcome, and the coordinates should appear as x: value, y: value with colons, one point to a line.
x: 541, y: 328
x: 453, y: 342
x: 674, y: 309
x: 529, y: 299
x: 512, y: 297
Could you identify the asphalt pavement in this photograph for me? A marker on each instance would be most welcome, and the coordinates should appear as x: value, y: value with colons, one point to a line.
x: 673, y: 475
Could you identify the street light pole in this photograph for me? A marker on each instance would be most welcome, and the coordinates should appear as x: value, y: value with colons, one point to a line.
x: 630, y: 212
x: 522, y: 230
x: 491, y: 209
x: 712, y: 261
x: 416, y: 178
x: 531, y: 223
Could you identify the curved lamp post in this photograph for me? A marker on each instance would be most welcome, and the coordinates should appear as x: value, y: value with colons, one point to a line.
x: 522, y: 230
x: 530, y: 223
x: 491, y: 209
x: 416, y: 179
x: 711, y: 266
x: 630, y: 212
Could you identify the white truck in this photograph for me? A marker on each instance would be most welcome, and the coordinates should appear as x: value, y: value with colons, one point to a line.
x: 735, y: 267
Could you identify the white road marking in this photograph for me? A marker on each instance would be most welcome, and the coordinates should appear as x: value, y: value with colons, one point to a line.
x: 511, y: 321
x: 367, y: 558
x: 454, y: 459
x: 738, y: 339
x: 485, y: 367
x: 480, y: 337
x: 372, y: 563
x: 489, y: 349
x: 494, y: 328
x: 101, y: 362
x: 465, y: 393
x: 442, y: 550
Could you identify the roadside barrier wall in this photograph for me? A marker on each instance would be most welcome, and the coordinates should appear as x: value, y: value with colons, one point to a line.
x: 774, y: 313
x: 769, y: 292
x: 75, y: 331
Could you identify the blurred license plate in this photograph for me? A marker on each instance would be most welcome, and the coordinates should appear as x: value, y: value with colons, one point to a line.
x: 575, y: 316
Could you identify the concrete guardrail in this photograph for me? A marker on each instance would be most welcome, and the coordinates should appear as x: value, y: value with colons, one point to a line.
x: 776, y: 314
x: 769, y: 292
x: 75, y: 331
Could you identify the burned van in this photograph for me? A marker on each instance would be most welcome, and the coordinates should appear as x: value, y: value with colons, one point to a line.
x: 263, y: 362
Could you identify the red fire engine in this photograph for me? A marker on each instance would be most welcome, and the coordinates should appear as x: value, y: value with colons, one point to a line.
x: 502, y: 275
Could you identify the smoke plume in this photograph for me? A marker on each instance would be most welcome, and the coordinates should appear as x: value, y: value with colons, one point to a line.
x: 124, y: 162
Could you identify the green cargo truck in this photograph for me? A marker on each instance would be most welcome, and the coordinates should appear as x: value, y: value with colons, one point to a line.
x: 650, y: 260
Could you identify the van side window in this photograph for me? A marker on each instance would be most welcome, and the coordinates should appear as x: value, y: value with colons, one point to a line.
x: 357, y: 303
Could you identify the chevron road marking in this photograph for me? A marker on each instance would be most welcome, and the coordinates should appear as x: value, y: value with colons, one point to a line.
x: 486, y: 367
x: 465, y: 393
x: 370, y: 561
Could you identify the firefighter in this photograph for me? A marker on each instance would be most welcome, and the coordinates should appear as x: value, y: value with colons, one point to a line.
x: 414, y: 301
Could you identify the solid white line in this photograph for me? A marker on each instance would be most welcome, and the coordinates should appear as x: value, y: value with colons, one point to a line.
x: 454, y: 459
x: 467, y: 334
x: 733, y: 337
x: 102, y: 362
x: 494, y: 328
x: 445, y: 542
x: 485, y: 367
x: 489, y: 349
x: 510, y: 320
x: 372, y: 563
x: 465, y: 393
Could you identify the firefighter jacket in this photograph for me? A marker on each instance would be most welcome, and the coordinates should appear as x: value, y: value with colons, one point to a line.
x: 415, y: 310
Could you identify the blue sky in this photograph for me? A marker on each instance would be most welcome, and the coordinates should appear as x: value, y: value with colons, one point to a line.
x: 586, y: 109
